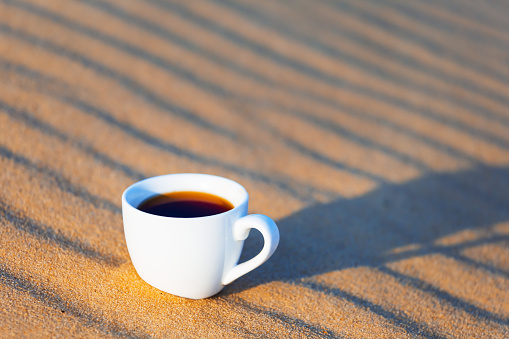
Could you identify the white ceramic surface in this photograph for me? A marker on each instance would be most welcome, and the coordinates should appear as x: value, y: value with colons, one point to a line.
x: 192, y: 257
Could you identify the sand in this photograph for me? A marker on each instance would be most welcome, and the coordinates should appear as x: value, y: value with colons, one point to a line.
x: 375, y: 134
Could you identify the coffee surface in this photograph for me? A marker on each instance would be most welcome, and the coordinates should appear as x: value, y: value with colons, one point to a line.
x: 185, y: 205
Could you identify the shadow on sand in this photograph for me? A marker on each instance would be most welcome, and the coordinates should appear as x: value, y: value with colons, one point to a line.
x: 363, y: 231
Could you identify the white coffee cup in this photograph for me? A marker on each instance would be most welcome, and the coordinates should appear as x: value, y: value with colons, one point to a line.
x: 192, y: 257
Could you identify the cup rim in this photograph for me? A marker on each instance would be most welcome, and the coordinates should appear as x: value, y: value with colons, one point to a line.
x: 241, y: 201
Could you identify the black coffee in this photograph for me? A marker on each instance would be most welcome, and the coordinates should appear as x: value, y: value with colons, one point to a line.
x: 185, y: 205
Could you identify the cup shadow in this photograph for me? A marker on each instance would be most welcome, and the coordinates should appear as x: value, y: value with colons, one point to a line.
x: 363, y: 231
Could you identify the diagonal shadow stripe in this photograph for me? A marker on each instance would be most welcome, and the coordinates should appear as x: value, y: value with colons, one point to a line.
x: 398, y: 128
x: 449, y: 250
x: 257, y: 15
x: 107, y: 117
x: 452, y: 26
x: 398, y: 319
x: 305, y: 116
x: 319, y: 157
x: 304, y: 192
x: 124, y: 47
x: 445, y: 296
x: 258, y: 48
x: 311, y: 330
x: 221, y: 91
x: 479, y: 265
x: 376, y: 146
x: 174, y: 39
x: 454, y: 251
x: 407, y: 35
x: 60, y: 181
x: 281, y: 183
x: 363, y: 141
x: 313, y: 73
x: 53, y: 299
x: 47, y: 129
x: 449, y: 78
x: 337, y: 129
x: 131, y: 85
x: 474, y: 11
x: 159, y: 62
x: 48, y: 234
x: 231, y: 64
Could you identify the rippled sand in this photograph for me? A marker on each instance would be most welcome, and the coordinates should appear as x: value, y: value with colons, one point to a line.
x: 376, y: 134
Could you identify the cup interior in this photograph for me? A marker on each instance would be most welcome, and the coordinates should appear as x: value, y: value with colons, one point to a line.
x: 206, y: 183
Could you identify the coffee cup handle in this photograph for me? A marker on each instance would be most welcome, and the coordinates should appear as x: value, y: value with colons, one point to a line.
x: 241, y: 228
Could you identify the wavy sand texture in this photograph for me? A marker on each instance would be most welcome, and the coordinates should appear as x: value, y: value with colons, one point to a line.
x: 375, y: 133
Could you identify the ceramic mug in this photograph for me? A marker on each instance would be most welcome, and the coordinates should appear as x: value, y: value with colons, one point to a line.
x: 192, y: 257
